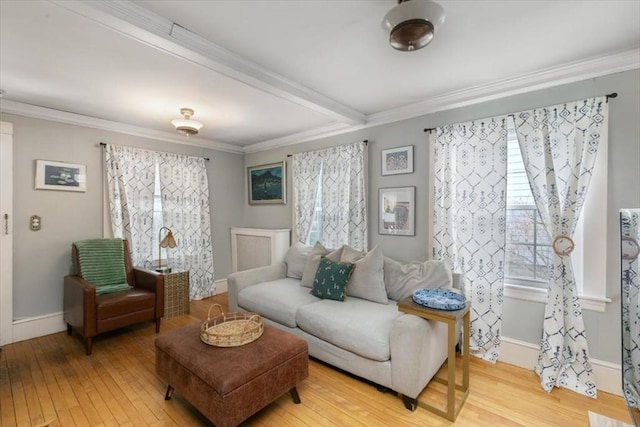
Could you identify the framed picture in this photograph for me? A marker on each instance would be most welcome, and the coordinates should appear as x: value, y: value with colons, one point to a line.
x: 397, y: 160
x: 267, y: 184
x: 397, y: 211
x: 60, y: 176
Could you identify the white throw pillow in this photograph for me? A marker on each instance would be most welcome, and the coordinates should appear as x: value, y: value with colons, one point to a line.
x: 296, y: 258
x: 401, y: 279
x: 313, y: 260
x: 367, y: 279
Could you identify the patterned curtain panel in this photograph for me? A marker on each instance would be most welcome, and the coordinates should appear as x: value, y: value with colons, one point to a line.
x: 470, y: 170
x: 184, y: 188
x: 559, y: 146
x: 341, y: 170
x: 306, y: 171
x: 630, y: 233
x: 130, y: 178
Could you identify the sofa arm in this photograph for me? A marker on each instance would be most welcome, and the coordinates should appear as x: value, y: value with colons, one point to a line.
x: 243, y: 279
x: 418, y: 349
x: 151, y: 281
x: 79, y: 305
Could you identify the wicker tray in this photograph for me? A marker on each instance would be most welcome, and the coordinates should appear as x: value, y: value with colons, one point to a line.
x: 231, y: 329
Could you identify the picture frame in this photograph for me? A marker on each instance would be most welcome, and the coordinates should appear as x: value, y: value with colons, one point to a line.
x: 397, y: 160
x: 267, y: 184
x: 397, y: 211
x: 60, y: 176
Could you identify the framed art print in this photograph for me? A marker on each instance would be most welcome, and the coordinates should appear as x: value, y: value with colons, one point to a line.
x: 60, y: 176
x: 397, y: 211
x: 397, y: 160
x: 267, y: 184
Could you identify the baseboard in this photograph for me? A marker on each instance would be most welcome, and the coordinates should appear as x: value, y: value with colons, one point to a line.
x: 34, y: 327
x: 525, y: 355
x: 221, y: 286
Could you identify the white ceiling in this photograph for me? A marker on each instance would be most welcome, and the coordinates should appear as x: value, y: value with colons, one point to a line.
x: 265, y: 73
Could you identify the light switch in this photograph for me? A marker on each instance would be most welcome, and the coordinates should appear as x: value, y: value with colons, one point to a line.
x: 35, y: 222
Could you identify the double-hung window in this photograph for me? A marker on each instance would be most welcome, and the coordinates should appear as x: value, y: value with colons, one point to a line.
x: 528, y: 245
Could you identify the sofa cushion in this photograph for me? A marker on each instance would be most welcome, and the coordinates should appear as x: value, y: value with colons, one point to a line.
x: 277, y: 300
x: 331, y: 279
x: 401, y: 279
x: 296, y: 258
x: 356, y: 325
x: 367, y: 279
x: 313, y: 260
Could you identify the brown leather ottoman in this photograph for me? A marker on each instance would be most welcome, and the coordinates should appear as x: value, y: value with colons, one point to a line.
x: 228, y: 385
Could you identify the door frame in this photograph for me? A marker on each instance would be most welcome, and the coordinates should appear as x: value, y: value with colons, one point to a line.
x: 6, y: 233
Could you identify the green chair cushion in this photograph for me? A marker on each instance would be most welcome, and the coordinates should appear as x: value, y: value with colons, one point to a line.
x: 102, y: 264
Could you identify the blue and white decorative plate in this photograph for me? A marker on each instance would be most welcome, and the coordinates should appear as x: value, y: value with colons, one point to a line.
x: 441, y: 299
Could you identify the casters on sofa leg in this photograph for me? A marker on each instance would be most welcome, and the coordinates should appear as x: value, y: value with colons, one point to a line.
x: 169, y: 393
x: 294, y: 395
x: 409, y: 403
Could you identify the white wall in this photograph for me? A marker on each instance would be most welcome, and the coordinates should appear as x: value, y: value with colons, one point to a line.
x: 522, y: 320
x: 42, y: 258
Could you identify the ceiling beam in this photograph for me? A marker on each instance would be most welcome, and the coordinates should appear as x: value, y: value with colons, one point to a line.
x: 153, y: 30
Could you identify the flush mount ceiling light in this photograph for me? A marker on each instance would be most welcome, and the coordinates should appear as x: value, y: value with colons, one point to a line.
x: 187, y: 126
x: 412, y: 23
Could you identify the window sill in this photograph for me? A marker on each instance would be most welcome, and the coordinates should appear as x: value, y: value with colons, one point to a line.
x: 527, y: 293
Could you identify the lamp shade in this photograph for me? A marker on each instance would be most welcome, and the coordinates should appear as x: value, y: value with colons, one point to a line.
x: 168, y: 241
x: 412, y: 24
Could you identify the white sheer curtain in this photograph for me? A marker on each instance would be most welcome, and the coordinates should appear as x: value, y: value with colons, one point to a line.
x: 341, y: 170
x: 559, y: 146
x: 470, y: 170
x: 130, y: 178
x: 184, y: 189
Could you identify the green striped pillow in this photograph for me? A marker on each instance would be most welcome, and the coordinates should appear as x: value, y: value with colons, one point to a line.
x: 102, y: 264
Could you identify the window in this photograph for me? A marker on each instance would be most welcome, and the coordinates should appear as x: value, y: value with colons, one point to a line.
x: 528, y: 252
x: 528, y: 247
x: 158, y: 220
x: 315, y: 235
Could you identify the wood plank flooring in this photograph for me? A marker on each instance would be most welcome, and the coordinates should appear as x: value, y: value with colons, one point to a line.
x: 50, y: 381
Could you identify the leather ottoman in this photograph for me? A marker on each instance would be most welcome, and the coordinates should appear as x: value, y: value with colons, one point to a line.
x: 228, y: 385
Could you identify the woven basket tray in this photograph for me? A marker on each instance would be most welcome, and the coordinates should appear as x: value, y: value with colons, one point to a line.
x: 231, y: 329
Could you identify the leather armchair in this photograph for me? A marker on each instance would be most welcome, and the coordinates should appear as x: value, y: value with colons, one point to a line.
x: 90, y: 314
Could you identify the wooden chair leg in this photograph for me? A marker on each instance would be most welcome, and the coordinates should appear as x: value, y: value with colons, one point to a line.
x: 169, y: 393
x: 89, y: 344
x: 158, y: 325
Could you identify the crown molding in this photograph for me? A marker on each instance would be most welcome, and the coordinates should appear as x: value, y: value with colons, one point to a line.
x: 37, y: 112
x: 537, y: 80
x: 153, y: 30
x: 542, y: 79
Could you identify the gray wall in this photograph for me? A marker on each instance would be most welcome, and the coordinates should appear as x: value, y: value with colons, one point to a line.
x: 522, y: 320
x: 42, y: 258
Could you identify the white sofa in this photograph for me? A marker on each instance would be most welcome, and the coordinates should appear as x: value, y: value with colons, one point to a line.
x: 372, y: 340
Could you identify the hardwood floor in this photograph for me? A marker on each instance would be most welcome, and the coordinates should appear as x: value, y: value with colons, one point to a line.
x: 50, y: 381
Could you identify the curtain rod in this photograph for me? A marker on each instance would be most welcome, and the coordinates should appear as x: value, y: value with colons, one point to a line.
x: 366, y: 142
x: 103, y: 144
x: 610, y: 95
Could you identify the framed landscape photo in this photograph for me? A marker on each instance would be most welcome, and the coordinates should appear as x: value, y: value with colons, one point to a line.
x: 267, y: 184
x: 397, y: 160
x: 397, y: 211
x: 60, y: 176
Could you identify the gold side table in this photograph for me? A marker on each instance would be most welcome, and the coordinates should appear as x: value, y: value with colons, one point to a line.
x: 176, y: 294
x: 450, y: 318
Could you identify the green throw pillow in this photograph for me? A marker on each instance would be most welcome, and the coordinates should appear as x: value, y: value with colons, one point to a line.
x: 331, y: 280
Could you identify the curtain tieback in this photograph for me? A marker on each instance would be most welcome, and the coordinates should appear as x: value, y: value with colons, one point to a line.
x: 566, y: 250
x: 632, y: 251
